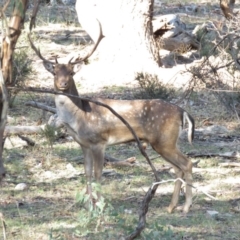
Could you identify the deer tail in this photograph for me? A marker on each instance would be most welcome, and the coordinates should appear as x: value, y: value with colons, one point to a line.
x: 191, y: 125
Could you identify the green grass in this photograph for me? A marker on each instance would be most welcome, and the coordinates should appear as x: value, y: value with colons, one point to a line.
x: 49, y: 209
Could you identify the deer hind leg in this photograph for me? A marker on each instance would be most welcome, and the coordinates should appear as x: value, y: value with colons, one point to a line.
x: 183, y: 168
x: 176, y: 191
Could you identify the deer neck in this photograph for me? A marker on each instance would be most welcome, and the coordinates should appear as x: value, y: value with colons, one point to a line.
x: 72, y: 102
x: 72, y: 110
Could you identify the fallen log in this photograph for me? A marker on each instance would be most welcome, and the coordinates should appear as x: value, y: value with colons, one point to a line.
x: 16, y: 130
x: 232, y: 154
x: 230, y: 164
x: 111, y: 161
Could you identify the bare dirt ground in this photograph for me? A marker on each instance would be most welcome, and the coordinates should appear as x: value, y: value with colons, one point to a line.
x: 47, y: 207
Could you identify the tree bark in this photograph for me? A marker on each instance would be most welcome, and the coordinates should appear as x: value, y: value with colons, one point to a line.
x: 129, y: 42
x: 227, y: 7
x: 9, y: 39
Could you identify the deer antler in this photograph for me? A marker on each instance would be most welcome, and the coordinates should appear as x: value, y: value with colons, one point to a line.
x: 93, y: 49
x: 37, y: 51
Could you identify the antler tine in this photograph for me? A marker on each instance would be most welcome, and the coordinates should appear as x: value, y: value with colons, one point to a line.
x: 94, y: 47
x: 37, y: 51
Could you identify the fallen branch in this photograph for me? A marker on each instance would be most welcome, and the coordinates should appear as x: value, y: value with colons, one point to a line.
x: 18, y: 130
x: 208, y: 155
x: 230, y: 164
x: 180, y: 179
x: 41, y: 106
x: 164, y: 168
x: 110, y: 161
x: 29, y: 141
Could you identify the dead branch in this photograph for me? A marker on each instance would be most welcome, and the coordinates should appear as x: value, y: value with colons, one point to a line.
x: 180, y: 179
x: 16, y: 130
x: 208, y: 155
x: 113, y: 162
x: 143, y: 212
x: 230, y: 164
x: 4, y: 8
x: 27, y: 140
x: 41, y: 106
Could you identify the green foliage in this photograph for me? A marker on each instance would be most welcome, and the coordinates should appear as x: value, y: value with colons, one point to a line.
x: 158, y: 232
x: 96, y: 213
x: 21, y: 69
x: 152, y: 88
x: 21, y: 66
x: 50, y: 133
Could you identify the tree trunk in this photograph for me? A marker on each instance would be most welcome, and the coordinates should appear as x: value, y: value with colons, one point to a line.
x: 129, y: 44
x: 9, y: 40
x: 227, y: 7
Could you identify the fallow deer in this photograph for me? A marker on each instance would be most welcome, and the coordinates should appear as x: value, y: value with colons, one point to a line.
x: 94, y: 127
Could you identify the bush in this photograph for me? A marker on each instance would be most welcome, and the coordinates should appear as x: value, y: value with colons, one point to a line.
x: 151, y: 87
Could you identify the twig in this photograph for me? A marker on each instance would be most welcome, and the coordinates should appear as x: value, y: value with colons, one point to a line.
x: 180, y: 179
x: 230, y: 164
x: 4, y: 8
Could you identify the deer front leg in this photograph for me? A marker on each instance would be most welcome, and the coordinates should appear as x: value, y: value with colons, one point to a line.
x: 93, y: 155
x: 88, y: 167
x: 98, y: 155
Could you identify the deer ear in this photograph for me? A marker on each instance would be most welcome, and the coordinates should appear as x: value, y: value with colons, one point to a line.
x: 49, y: 66
x: 77, y: 67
